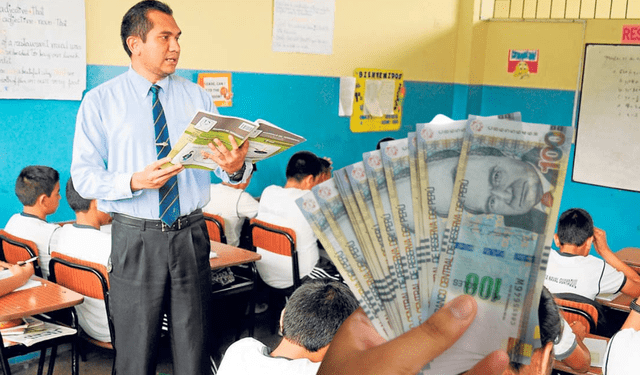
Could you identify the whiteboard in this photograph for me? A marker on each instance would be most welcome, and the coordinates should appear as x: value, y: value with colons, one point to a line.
x: 607, y: 151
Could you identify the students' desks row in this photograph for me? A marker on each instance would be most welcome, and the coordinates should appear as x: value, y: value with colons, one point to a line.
x: 631, y: 256
x: 51, y: 297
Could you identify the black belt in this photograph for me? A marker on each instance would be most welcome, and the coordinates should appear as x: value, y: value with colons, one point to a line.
x: 144, y: 224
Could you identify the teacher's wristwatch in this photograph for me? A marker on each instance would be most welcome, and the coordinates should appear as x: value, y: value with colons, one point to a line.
x: 237, y: 176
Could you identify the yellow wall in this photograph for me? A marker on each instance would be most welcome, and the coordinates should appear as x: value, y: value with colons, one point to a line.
x: 415, y: 36
x: 561, y: 46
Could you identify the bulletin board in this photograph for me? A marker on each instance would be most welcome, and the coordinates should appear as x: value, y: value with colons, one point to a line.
x: 377, y: 105
x: 607, y: 150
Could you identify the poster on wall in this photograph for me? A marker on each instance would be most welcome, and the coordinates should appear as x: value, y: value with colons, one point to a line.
x: 304, y: 26
x: 378, y: 97
x: 218, y: 85
x: 42, y: 49
x: 523, y: 62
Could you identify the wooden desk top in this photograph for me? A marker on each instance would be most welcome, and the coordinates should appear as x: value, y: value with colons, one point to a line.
x: 621, y: 302
x: 592, y: 370
x: 630, y: 255
x: 230, y: 256
x: 41, y: 299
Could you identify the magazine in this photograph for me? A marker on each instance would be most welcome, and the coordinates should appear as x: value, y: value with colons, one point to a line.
x: 265, y: 139
x: 37, y: 331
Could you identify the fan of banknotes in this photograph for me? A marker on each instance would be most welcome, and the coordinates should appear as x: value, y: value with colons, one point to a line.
x: 457, y: 207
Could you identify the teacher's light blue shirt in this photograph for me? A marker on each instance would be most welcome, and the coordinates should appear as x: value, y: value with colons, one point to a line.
x: 115, y: 138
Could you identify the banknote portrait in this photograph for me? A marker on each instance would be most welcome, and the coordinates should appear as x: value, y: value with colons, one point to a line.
x: 498, y: 184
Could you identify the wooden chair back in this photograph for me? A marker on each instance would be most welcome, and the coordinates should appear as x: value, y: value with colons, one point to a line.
x: 14, y: 249
x: 215, y: 227
x: 579, y: 311
x: 276, y: 239
x: 87, y: 278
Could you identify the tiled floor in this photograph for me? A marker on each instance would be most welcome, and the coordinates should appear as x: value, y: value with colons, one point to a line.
x: 99, y: 360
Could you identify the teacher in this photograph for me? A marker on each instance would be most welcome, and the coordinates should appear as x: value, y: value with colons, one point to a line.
x: 160, y: 247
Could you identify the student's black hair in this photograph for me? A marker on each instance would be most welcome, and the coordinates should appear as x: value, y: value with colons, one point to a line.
x: 575, y: 226
x: 303, y: 164
x: 76, y: 202
x: 34, y: 181
x: 549, y: 320
x: 315, y: 311
x: 135, y: 22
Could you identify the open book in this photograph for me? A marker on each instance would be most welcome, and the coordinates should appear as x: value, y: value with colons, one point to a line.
x: 265, y: 139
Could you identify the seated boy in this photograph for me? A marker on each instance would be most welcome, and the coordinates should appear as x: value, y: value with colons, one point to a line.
x: 311, y: 317
x: 85, y: 241
x: 278, y: 206
x: 234, y: 205
x: 38, y: 189
x: 620, y: 356
x: 573, y: 270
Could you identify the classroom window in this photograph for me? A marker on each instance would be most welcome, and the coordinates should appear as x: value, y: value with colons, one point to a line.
x: 560, y: 9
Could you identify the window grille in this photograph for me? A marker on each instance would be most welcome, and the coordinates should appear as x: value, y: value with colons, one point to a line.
x: 560, y: 9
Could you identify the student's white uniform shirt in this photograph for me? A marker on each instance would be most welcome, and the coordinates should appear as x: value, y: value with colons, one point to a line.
x: 278, y: 206
x: 250, y: 356
x: 622, y: 356
x: 586, y: 276
x: 34, y: 229
x: 90, y: 244
x: 234, y: 205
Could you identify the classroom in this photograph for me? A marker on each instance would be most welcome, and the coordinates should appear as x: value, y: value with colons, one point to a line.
x: 453, y: 64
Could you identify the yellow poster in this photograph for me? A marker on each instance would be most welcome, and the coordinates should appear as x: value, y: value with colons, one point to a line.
x: 218, y: 85
x: 377, y: 105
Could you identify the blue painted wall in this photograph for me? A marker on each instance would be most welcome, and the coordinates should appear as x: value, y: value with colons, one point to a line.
x: 41, y: 132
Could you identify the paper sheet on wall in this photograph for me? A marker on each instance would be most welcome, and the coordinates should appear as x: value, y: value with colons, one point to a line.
x: 379, y: 97
x: 304, y: 26
x: 42, y: 49
x: 347, y: 91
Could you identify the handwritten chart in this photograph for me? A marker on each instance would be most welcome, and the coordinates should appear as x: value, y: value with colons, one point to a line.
x: 304, y: 26
x: 42, y: 49
x: 608, y: 132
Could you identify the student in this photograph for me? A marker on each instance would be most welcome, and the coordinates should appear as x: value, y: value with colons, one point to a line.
x: 573, y: 270
x: 326, y: 170
x: 19, y: 276
x: 38, y: 189
x: 84, y: 240
x: 234, y: 205
x: 278, y: 207
x: 358, y: 349
x: 309, y: 321
x: 621, y: 356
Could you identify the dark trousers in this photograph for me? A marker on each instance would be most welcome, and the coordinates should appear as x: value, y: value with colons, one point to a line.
x: 155, y: 272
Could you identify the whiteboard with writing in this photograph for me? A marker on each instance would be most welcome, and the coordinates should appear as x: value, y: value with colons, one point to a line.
x: 607, y: 151
x: 42, y: 49
x: 304, y: 26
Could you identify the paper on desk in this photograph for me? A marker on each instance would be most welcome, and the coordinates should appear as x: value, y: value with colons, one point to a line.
x: 597, y: 348
x: 347, y: 92
x: 609, y: 296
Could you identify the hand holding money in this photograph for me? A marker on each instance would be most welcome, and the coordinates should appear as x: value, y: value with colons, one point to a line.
x: 358, y: 349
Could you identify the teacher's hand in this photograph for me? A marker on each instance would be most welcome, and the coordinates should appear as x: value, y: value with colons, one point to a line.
x: 154, y: 177
x: 229, y: 160
x: 358, y: 349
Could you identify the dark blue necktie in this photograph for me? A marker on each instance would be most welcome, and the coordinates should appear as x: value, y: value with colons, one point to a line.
x: 169, y: 200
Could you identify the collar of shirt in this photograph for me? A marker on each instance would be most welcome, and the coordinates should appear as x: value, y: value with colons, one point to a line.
x: 31, y: 216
